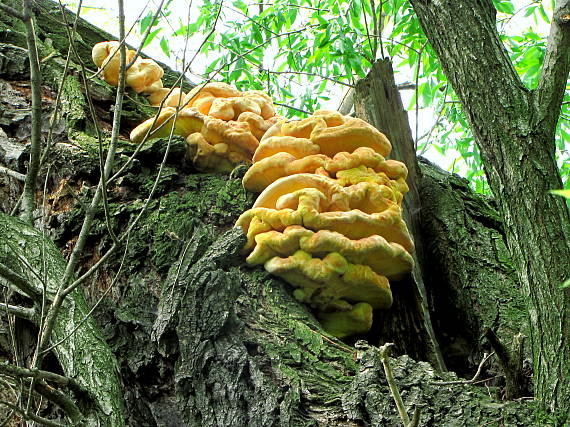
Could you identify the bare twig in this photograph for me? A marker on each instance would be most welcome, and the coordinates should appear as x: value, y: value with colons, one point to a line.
x: 19, y: 282
x: 145, y: 35
x: 347, y: 102
x: 302, y: 73
x: 17, y: 372
x: 417, y: 93
x: 292, y: 5
x: 473, y: 380
x: 90, y: 214
x: 82, y: 321
x: 13, y: 12
x: 28, y: 200
x: 12, y: 173
x: 293, y: 108
x: 29, y: 415
x: 21, y: 312
x: 384, y: 353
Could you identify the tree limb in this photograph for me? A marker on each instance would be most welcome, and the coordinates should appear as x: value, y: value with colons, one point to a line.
x: 28, y: 200
x: 556, y: 67
x: 21, y: 312
x: 11, y: 11
x: 19, y: 176
x: 384, y: 353
x: 19, y: 372
x: 19, y: 282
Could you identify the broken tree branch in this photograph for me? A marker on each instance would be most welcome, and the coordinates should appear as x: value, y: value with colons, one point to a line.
x: 555, y: 68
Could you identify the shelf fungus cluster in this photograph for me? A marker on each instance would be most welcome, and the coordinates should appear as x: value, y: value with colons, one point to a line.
x: 222, y: 125
x: 329, y: 219
x: 144, y: 75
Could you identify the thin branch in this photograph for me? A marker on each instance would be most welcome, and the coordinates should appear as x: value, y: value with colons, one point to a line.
x: 145, y: 35
x: 88, y: 315
x: 435, y: 125
x: 347, y: 102
x: 555, y: 68
x: 17, y: 175
x: 473, y: 380
x: 370, y: 42
x: 406, y: 86
x: 239, y: 12
x: 417, y: 93
x: 384, y: 353
x: 19, y: 282
x: 56, y: 108
x: 9, y: 416
x: 17, y: 372
x: 21, y: 312
x: 12, y: 12
x: 292, y: 108
x: 302, y: 73
x: 28, y: 201
x: 90, y: 214
x: 291, y: 5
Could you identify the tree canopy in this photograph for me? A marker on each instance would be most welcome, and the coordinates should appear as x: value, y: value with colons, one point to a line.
x: 306, y: 53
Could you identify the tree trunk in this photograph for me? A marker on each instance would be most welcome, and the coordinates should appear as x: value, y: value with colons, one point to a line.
x: 514, y: 130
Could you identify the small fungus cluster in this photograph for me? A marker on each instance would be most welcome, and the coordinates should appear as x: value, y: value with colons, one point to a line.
x: 144, y: 76
x: 222, y: 125
x: 329, y: 219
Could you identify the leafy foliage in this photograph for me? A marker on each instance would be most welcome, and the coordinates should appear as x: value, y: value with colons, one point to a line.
x: 306, y: 53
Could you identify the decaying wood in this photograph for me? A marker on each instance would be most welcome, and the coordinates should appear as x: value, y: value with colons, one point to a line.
x: 378, y: 101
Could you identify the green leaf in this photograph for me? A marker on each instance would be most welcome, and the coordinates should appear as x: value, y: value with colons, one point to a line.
x: 164, y: 46
x: 565, y: 285
x: 530, y: 10
x: 145, y: 22
x: 563, y: 193
x: 504, y: 6
x: 543, y: 14
x: 151, y: 36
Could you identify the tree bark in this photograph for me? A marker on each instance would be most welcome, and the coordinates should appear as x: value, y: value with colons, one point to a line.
x: 514, y: 130
x: 201, y: 339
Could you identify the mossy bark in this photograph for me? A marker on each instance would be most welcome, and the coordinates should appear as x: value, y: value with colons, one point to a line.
x: 514, y: 128
x: 79, y: 346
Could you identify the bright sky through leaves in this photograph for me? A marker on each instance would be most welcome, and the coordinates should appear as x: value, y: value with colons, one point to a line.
x: 297, y: 49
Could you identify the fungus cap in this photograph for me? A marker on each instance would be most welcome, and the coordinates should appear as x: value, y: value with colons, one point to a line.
x: 331, y: 279
x: 143, y: 74
x: 341, y: 324
x: 187, y: 122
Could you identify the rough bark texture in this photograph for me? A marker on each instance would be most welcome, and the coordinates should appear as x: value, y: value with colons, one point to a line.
x: 466, y: 257
x: 201, y: 339
x: 515, y: 136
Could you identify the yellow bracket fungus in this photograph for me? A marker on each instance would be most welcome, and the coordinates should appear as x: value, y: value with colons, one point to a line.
x: 329, y: 219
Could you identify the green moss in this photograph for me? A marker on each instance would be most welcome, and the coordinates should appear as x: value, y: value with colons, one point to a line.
x: 295, y: 342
